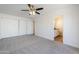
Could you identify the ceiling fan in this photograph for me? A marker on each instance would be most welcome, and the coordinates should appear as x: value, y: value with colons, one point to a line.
x: 32, y: 10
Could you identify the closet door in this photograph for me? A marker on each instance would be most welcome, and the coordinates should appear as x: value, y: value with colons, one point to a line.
x: 22, y: 27
x: 0, y: 26
x: 29, y: 27
x: 9, y: 27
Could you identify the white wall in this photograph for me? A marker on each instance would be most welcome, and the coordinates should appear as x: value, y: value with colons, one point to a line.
x: 14, y: 26
x: 44, y: 25
x: 71, y: 27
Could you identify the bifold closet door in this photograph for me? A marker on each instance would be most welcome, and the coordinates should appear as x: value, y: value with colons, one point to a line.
x: 22, y: 27
x: 25, y: 27
x: 0, y: 27
x: 29, y: 27
x: 9, y: 27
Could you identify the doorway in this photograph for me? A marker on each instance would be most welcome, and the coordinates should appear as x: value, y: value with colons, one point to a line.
x: 58, y: 29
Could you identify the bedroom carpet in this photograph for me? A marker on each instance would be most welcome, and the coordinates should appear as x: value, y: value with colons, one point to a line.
x: 29, y: 44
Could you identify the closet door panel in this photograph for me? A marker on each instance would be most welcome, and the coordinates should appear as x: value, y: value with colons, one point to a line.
x: 9, y: 27
x: 0, y: 28
x: 22, y: 27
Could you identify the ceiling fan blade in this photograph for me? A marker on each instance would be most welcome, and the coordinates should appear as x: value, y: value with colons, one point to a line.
x: 24, y: 10
x: 29, y: 5
x: 39, y: 8
x: 37, y: 12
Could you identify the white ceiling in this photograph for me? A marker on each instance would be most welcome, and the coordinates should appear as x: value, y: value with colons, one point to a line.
x: 14, y: 9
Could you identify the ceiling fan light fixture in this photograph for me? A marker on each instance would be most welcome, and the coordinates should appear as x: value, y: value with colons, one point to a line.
x: 32, y: 12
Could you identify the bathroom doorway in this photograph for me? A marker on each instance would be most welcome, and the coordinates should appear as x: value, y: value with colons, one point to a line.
x: 58, y: 29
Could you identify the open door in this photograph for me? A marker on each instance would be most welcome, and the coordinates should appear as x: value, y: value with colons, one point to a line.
x: 58, y: 29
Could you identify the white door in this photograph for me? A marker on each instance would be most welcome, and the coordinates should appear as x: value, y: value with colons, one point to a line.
x: 9, y: 27
x: 22, y: 27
